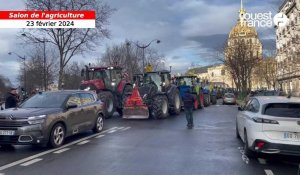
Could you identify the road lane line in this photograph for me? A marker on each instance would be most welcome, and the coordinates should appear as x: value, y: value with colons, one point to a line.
x: 262, y: 161
x: 61, y: 150
x: 269, y: 172
x: 109, y: 129
x: 99, y: 136
x: 31, y: 162
x: 125, y: 128
x: 121, y: 128
x: 12, y: 164
x: 112, y: 131
x: 83, y: 142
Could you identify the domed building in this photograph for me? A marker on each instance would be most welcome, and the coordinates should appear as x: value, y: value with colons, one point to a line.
x: 243, y: 31
x: 246, y: 33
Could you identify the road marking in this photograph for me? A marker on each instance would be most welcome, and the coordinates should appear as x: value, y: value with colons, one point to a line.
x: 83, y: 142
x: 99, y: 136
x: 1, y: 173
x: 125, y: 128
x: 112, y: 131
x: 269, y: 172
x: 262, y: 161
x: 46, y: 152
x: 109, y: 129
x: 61, y: 150
x: 121, y: 128
x: 31, y: 162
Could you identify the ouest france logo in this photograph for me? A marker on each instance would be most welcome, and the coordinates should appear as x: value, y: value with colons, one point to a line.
x: 262, y: 20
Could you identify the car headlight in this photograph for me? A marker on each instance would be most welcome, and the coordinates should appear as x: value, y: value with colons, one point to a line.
x: 36, y: 119
x: 113, y: 83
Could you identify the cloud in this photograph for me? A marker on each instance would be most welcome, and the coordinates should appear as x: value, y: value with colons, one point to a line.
x: 190, y: 30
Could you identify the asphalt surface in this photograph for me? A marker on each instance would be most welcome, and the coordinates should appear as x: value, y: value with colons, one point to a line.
x: 147, y: 147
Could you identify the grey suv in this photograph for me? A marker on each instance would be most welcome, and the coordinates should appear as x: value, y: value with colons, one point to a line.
x: 50, y: 117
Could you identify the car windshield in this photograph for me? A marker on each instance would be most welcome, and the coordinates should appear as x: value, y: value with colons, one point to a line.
x: 152, y: 77
x: 289, y: 110
x: 45, y: 100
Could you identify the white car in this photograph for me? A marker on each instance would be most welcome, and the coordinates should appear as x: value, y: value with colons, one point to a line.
x: 270, y: 125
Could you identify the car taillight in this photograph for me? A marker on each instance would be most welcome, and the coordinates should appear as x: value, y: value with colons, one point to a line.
x: 259, y: 145
x: 261, y: 120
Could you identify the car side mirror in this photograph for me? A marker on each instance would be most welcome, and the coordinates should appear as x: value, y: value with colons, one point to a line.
x: 71, y: 106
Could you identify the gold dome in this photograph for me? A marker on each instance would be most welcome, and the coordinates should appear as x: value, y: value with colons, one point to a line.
x: 243, y: 30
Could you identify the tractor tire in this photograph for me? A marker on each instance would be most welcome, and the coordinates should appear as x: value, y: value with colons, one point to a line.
x: 213, y: 100
x: 206, y: 100
x: 196, y: 103
x: 176, y: 103
x: 109, y: 105
x: 159, y: 108
x: 127, y: 89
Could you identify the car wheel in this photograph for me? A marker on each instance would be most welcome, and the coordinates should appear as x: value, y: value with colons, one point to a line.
x: 57, y: 136
x: 99, y: 124
x: 249, y: 153
x: 237, y: 132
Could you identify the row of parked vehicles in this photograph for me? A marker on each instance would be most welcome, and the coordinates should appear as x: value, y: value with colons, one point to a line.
x: 50, y: 117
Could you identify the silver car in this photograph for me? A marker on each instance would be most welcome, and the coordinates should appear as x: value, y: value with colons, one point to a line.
x: 50, y: 117
x: 229, y: 98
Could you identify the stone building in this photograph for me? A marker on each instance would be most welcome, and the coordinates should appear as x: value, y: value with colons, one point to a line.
x: 288, y: 48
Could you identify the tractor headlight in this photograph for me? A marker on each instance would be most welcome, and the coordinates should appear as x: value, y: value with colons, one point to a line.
x: 36, y: 119
x: 87, y: 88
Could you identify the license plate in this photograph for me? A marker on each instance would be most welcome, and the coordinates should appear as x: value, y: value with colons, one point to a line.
x: 291, y: 136
x: 7, y: 132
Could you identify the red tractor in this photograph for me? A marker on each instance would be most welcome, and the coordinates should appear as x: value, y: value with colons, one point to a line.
x: 111, y: 86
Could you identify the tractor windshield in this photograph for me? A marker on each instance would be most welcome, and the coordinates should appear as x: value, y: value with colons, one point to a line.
x: 152, y: 78
x: 98, y: 74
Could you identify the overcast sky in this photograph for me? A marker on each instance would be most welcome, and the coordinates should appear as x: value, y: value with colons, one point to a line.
x: 190, y: 30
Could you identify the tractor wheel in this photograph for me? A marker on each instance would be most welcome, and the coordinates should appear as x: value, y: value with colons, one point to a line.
x: 196, y: 103
x: 201, y: 102
x: 176, y: 104
x: 160, y: 106
x: 206, y: 100
x: 213, y: 99
x: 109, y: 105
x: 126, y: 91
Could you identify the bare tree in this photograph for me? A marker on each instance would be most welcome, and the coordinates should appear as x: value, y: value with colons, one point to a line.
x: 71, y: 41
x: 129, y: 57
x: 73, y: 75
x: 240, y: 61
x: 35, y: 68
x: 266, y: 71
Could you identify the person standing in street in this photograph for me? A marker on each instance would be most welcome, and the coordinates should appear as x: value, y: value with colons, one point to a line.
x: 188, y: 100
x: 11, y: 100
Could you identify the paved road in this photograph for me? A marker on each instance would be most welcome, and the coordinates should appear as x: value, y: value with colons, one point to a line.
x: 147, y: 147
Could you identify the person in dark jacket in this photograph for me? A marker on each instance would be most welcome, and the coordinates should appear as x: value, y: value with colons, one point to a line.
x: 188, y: 100
x: 11, y: 100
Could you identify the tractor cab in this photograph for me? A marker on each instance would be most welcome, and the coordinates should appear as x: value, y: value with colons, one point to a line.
x: 101, y: 78
x: 161, y: 79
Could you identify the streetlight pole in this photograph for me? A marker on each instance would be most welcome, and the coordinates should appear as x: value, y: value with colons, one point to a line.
x: 24, y: 62
x: 143, y: 47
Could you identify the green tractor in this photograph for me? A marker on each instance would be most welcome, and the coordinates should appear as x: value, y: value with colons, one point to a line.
x: 154, y: 96
x: 193, y: 83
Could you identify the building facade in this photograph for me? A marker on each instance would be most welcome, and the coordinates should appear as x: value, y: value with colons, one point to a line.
x: 241, y: 31
x: 288, y: 48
